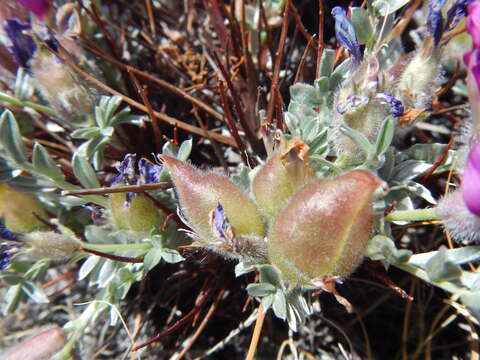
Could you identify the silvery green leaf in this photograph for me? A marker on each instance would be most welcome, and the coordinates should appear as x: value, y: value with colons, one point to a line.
x: 302, y: 112
x: 458, y: 256
x: 361, y: 23
x: 422, y: 191
x: 387, y: 7
x: 267, y: 301
x: 386, y: 171
x: 34, y: 292
x: 107, y: 131
x: 152, y: 258
x: 111, y: 104
x: 88, y: 266
x: 440, y: 268
x: 409, y: 170
x: 123, y: 117
x: 84, y: 172
x: 269, y: 274
x: 171, y: 256
x: 86, y: 133
x: 44, y: 164
x: 293, y: 123
x: 29, y: 184
x: 326, y: 62
x: 383, y: 248
x: 310, y: 129
x: 385, y: 136
x: 107, y: 273
x: 169, y: 149
x: 358, y: 138
x: 471, y: 300
x: 304, y: 94
x: 279, y: 305
x: 11, y: 299
x: 185, y: 150
x: 11, y: 139
x: 429, y: 153
x: 322, y: 85
x: 7, y: 172
x: 261, y: 289
x: 338, y: 75
x: 241, y: 269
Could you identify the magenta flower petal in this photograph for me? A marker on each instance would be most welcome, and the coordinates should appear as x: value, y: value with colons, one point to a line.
x: 471, y: 180
x: 39, y: 7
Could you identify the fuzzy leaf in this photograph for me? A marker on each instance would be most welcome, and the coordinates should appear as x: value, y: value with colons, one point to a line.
x: 440, y: 268
x: 304, y: 94
x: 261, y: 289
x: 326, y: 62
x: 11, y: 139
x: 387, y: 7
x: 86, y: 133
x: 44, y: 164
x: 383, y: 248
x: 385, y: 136
x: 84, y: 171
x: 361, y: 23
x: 34, y: 292
x: 269, y: 274
x: 359, y: 139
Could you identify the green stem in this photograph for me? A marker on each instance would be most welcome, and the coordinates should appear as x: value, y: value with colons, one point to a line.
x: 413, y: 215
x: 116, y: 247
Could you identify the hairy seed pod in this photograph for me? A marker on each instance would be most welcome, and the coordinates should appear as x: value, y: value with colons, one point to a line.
x: 200, y: 192
x: 47, y: 244
x: 138, y: 214
x: 324, y: 229
x: 18, y: 209
x: 42, y: 345
x: 279, y: 178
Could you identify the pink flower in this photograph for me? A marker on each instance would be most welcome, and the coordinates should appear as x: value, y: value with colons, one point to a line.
x: 39, y: 7
x: 471, y: 180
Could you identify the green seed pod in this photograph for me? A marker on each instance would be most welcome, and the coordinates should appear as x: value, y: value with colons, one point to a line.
x: 139, y: 214
x: 200, y: 192
x: 324, y: 229
x: 280, y: 177
x: 17, y: 210
x: 47, y: 244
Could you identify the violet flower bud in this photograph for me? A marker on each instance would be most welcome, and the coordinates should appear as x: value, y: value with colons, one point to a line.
x: 345, y: 34
x: 200, y: 192
x: 324, y: 229
x: 471, y: 180
x: 435, y: 20
x: 39, y: 7
x: 23, y: 46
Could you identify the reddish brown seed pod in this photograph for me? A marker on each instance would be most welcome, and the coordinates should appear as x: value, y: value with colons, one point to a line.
x: 324, y: 229
x: 200, y: 192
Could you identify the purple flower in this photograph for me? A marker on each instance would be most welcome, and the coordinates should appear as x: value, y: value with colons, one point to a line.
x: 8, y: 248
x: 435, y: 20
x: 396, y: 107
x: 456, y: 12
x: 221, y: 227
x: 471, y: 180
x: 23, y: 46
x: 149, y: 173
x: 39, y: 7
x: 345, y: 34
